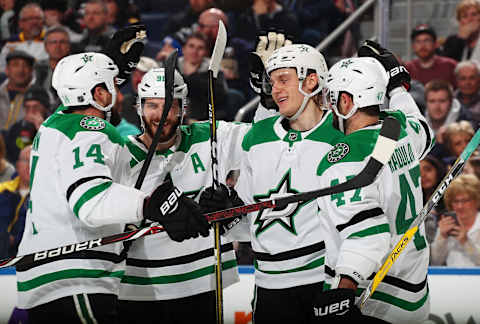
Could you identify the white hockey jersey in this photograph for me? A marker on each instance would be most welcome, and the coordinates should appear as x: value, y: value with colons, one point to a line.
x: 289, y: 251
x: 361, y: 226
x: 157, y: 267
x: 75, y: 196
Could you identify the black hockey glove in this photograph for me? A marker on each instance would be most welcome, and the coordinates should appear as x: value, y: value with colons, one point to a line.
x: 335, y: 306
x: 398, y: 73
x: 125, y: 48
x: 181, y: 217
x: 223, y: 198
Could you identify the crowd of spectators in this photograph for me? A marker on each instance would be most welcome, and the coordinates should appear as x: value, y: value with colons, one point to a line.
x: 35, y: 35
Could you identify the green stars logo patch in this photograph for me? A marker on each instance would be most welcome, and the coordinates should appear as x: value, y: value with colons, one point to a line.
x: 338, y: 152
x: 92, y: 123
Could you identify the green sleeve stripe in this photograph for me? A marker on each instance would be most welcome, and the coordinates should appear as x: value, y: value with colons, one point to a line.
x: 384, y: 228
x: 392, y: 300
x: 89, y: 194
x: 312, y: 265
x: 66, y: 274
x: 161, y: 280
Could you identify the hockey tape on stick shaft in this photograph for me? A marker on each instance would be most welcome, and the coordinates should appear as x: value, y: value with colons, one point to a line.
x: 215, y: 60
x: 454, y: 171
x: 390, y: 129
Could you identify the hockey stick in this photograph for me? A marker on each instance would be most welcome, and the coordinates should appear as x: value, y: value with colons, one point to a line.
x: 454, y: 171
x: 382, y: 152
x: 217, y: 56
x: 169, y: 73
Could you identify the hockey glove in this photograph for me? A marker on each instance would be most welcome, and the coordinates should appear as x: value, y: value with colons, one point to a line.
x: 257, y: 60
x: 180, y: 216
x: 335, y: 306
x: 223, y: 198
x: 125, y: 48
x: 398, y: 73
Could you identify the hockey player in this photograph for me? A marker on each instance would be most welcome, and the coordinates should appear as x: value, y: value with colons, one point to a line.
x: 176, y: 281
x: 75, y: 196
x: 280, y: 157
x: 362, y: 226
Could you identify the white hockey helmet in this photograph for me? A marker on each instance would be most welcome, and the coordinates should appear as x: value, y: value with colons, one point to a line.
x: 304, y: 58
x: 364, y: 78
x: 76, y: 75
x: 153, y: 86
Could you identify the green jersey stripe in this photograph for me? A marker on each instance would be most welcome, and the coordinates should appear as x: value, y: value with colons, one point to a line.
x: 392, y: 300
x: 312, y: 265
x: 89, y: 194
x: 66, y: 274
x: 160, y: 280
x: 384, y: 228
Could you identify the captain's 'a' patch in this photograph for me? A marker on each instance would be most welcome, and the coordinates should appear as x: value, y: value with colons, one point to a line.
x: 92, y: 123
x: 338, y: 152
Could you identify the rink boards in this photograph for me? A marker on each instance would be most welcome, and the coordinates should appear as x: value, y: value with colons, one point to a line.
x: 455, y: 295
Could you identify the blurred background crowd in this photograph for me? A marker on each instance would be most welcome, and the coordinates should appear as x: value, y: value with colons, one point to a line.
x: 35, y: 35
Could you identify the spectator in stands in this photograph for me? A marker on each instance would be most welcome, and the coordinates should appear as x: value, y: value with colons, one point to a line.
x: 14, y: 200
x: 432, y: 172
x: 457, y: 243
x: 208, y: 25
x: 186, y: 19
x: 6, y: 168
x: 122, y: 13
x: 265, y: 15
x: 30, y: 39
x: 55, y: 16
x: 57, y: 45
x: 6, y: 19
x: 123, y: 127
x: 429, y: 66
x: 195, y: 55
x: 168, y: 45
x: 468, y: 82
x: 97, y: 31
x: 19, y: 77
x: 442, y: 107
x: 129, y: 106
x: 456, y: 138
x: 318, y: 19
x: 37, y: 107
x: 462, y: 46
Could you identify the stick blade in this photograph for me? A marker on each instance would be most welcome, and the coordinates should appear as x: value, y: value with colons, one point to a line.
x: 218, y: 50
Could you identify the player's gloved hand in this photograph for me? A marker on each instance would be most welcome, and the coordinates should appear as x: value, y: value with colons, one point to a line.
x: 335, y: 306
x: 399, y: 76
x: 265, y: 46
x: 181, y: 217
x: 125, y: 48
x: 223, y: 198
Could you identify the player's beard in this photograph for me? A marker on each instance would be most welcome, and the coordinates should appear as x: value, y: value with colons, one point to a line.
x: 163, y: 137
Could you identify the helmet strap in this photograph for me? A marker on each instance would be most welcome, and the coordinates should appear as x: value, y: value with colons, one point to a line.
x: 306, y: 97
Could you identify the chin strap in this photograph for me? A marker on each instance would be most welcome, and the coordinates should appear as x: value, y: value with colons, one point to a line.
x: 306, y: 97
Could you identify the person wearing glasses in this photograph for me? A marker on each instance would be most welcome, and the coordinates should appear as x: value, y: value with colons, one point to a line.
x: 457, y: 242
x: 31, y: 24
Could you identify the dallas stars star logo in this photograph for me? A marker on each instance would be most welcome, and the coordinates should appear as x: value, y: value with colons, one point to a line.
x: 346, y: 63
x: 287, y: 213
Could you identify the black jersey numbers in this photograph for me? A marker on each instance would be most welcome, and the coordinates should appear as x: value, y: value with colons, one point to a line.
x: 95, y: 152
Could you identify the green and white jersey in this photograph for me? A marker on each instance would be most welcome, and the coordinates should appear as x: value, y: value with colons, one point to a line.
x: 75, y: 196
x: 289, y: 251
x: 361, y: 226
x: 157, y: 267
